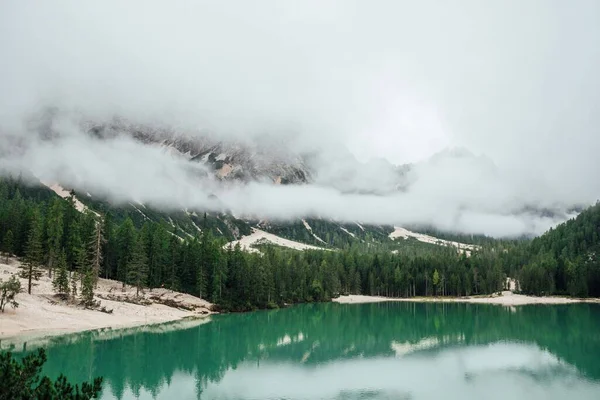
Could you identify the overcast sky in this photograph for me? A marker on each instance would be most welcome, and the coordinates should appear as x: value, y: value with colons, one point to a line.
x: 516, y: 80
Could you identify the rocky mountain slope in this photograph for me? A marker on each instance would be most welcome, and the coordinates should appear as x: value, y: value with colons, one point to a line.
x: 225, y: 163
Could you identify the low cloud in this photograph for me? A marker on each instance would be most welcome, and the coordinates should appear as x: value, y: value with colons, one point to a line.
x: 454, y: 191
x: 360, y: 86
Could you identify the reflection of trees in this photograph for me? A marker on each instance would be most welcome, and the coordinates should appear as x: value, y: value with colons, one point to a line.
x: 320, y: 333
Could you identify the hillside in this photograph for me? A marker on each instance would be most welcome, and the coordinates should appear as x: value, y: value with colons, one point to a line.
x: 311, y: 232
x: 149, y: 253
x: 566, y: 258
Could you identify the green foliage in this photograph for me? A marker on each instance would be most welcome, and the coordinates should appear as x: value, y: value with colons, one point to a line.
x: 23, y: 380
x: 60, y: 282
x: 95, y: 248
x: 436, y: 280
x: 87, y: 287
x: 74, y: 285
x: 54, y: 232
x: 148, y: 252
x: 137, y: 268
x: 34, y: 256
x: 565, y: 259
x: 8, y: 245
x: 8, y: 291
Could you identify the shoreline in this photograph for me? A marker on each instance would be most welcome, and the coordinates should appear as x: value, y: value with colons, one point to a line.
x: 506, y: 299
x: 42, y: 315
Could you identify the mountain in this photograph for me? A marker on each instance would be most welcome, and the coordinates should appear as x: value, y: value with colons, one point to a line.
x: 227, y: 161
x: 456, y: 179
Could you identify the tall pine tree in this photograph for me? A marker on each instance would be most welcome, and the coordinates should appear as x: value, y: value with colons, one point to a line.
x: 61, y: 275
x: 8, y: 245
x: 95, y: 247
x: 125, y: 238
x: 34, y: 256
x: 137, y: 269
x: 54, y: 232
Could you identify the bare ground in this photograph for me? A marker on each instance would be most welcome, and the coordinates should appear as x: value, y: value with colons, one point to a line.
x: 507, y: 298
x: 43, y: 314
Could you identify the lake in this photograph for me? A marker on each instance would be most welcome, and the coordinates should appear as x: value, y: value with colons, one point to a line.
x: 334, y: 351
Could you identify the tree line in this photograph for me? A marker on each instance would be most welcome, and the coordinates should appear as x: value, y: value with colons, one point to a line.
x: 565, y: 260
x: 51, y: 236
x: 75, y: 248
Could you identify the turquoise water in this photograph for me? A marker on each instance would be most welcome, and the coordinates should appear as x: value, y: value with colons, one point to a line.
x: 334, y: 351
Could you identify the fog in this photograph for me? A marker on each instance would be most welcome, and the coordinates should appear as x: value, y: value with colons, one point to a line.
x: 363, y: 85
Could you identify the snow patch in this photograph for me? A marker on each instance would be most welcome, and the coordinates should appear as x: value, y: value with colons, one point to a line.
x: 405, y: 234
x: 347, y: 231
x: 177, y: 236
x: 197, y: 227
x: 65, y: 194
x: 257, y: 236
x: 140, y: 211
x: 308, y: 228
x: 173, y: 151
x: 360, y: 226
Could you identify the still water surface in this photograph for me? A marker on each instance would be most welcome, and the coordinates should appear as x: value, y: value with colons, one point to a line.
x: 333, y: 351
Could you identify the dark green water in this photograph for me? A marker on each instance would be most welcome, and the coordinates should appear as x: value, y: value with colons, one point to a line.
x: 332, y: 351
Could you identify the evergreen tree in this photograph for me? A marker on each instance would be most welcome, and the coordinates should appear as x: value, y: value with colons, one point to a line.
x: 173, y: 279
x: 74, y: 279
x: 22, y: 379
x: 109, y: 249
x: 137, y: 269
x: 30, y: 268
x: 125, y: 238
x: 209, y: 256
x: 87, y: 287
x: 54, y: 233
x: 61, y: 276
x: 95, y: 246
x: 8, y: 245
x: 71, y: 231
x: 436, y: 281
x: 219, y: 279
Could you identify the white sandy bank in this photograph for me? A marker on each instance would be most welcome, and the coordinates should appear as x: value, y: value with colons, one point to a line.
x: 507, y: 299
x: 42, y: 314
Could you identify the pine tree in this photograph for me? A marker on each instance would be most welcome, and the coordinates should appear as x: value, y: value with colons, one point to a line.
x: 436, y: 281
x: 71, y: 231
x: 87, y: 287
x: 73, y: 246
x: 74, y: 279
x: 33, y: 252
x: 8, y: 245
x: 159, y: 257
x: 61, y: 277
x: 174, y: 262
x: 208, y: 258
x: 137, y: 269
x: 125, y: 244
x: 95, y: 251
x: 81, y: 263
x: 54, y: 232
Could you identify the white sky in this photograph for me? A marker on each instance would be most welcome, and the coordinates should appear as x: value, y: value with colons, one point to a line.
x: 515, y: 80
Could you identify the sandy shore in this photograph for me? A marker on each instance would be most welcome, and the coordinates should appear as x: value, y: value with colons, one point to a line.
x: 42, y: 314
x: 507, y: 298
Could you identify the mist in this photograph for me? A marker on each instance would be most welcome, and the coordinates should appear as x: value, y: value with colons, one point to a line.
x: 363, y: 85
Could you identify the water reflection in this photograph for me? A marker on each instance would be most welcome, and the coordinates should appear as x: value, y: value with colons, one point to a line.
x: 332, y: 351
